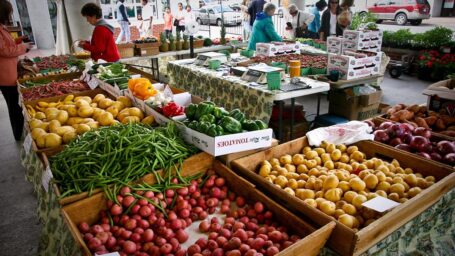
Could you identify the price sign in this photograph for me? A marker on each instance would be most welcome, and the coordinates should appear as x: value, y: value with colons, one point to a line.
x: 47, y: 176
x: 168, y: 92
x: 93, y: 83
x: 108, y: 254
x: 27, y: 143
x: 380, y: 204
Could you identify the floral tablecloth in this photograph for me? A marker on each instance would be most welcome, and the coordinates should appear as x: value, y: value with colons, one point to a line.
x: 430, y: 233
x: 227, y: 91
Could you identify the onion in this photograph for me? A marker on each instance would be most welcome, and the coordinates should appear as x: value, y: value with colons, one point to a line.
x: 424, y: 155
x: 381, y: 136
x: 406, y: 138
x: 395, y: 130
x: 407, y: 127
x: 395, y: 141
x: 449, y: 159
x: 421, y: 131
x: 419, y: 143
x: 385, y: 125
x: 445, y: 147
x: 436, y: 157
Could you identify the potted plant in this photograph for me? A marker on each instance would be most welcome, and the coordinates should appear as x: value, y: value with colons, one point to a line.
x: 171, y: 42
x: 186, y: 43
x: 178, y: 41
x: 164, y: 47
x: 198, y: 42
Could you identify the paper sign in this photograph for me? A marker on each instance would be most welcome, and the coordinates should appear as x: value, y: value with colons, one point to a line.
x: 93, y: 83
x: 108, y: 254
x: 27, y: 143
x: 380, y: 204
x: 47, y: 176
x: 168, y: 92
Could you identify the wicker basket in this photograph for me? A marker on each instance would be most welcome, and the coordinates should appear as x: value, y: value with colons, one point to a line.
x: 83, y: 54
x: 147, y: 45
x: 148, y: 51
x: 198, y: 43
x: 126, y: 50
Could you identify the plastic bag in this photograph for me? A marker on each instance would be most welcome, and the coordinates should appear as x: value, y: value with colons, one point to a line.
x: 347, y: 133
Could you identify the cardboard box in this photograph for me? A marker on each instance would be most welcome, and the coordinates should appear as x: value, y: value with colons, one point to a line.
x: 183, y: 99
x: 351, y: 67
x: 370, y: 99
x: 334, y: 44
x: 363, y: 35
x: 227, y: 144
x: 367, y: 40
x: 368, y: 46
x: 441, y: 95
x: 274, y: 49
x: 350, y: 107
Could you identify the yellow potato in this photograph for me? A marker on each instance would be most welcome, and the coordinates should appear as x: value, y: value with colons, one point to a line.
x: 411, y: 179
x: 338, y: 213
x: 290, y: 191
x: 327, y: 207
x: 430, y: 179
x: 306, y: 149
x: 286, y: 159
x: 341, y: 147
x: 297, y: 159
x: 333, y: 194
x: 383, y: 185
x: 349, y: 209
x: 329, y: 165
x: 292, y: 183
x: 125, y: 100
x: 330, y: 148
x: 311, y: 163
x: 320, y: 151
x: 82, y: 128
x: 344, y: 158
x: 85, y: 111
x: 305, y: 194
x: 414, y: 191
x: 335, y: 155
x: 113, y: 110
x: 105, y: 103
x: 363, y: 173
x: 352, y: 149
x: 311, y: 154
x: 275, y: 162
x: 281, y: 180
x: 381, y: 193
x: 265, y: 170
x: 301, y: 168
x: 98, y: 97
x: 371, y: 181
x: 52, y: 140
x: 106, y: 119
x: 53, y: 125
x: 118, y: 105
x: 344, y: 185
x: 331, y: 182
x: 357, y: 184
x: 290, y: 167
x: 394, y: 196
x: 311, y: 202
x: 347, y: 220
x: 397, y: 188
x: 69, y: 136
x: 136, y: 112
x: 358, y: 201
x: 349, y: 196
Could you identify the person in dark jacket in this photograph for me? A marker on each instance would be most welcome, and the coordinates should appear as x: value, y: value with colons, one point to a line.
x: 255, y: 7
x: 102, y: 44
x: 329, y: 21
x: 122, y: 19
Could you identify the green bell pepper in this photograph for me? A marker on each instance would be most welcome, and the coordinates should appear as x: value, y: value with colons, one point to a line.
x: 237, y: 115
x: 231, y: 125
x: 220, y: 112
x: 204, y: 108
x: 250, y: 125
x: 203, y: 127
x: 220, y: 130
x: 261, y: 124
x: 208, y: 118
x: 193, y: 125
x: 212, y: 132
x: 190, y: 111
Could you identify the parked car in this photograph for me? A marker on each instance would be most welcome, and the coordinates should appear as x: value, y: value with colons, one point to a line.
x: 212, y: 15
x: 401, y: 11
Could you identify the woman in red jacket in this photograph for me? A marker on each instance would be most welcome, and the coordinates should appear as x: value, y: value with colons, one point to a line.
x: 102, y: 45
x: 9, y: 51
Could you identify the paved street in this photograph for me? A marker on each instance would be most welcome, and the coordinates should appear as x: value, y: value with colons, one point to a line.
x: 426, y: 25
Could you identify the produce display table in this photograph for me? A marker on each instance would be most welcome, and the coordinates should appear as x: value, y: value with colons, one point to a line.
x: 155, y: 67
x: 430, y: 233
x: 343, y: 84
x: 232, y: 92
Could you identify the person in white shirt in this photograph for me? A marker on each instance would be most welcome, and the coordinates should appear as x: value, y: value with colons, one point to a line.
x: 180, y: 18
x: 299, y: 21
x: 146, y: 27
x: 189, y: 15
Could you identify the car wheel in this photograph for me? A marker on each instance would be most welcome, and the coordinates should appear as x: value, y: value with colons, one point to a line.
x: 379, y: 21
x: 416, y: 22
x: 395, y: 72
x: 401, y: 19
x: 219, y: 22
x: 199, y: 21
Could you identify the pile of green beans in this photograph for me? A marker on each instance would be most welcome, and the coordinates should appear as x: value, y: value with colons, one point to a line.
x: 118, y: 155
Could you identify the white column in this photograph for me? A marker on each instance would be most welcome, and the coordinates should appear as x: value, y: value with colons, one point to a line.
x: 300, y: 3
x: 41, y: 23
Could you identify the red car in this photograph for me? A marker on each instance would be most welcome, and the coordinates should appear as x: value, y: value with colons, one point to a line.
x: 401, y: 11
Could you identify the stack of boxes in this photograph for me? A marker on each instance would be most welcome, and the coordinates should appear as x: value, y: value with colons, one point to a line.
x: 357, y: 54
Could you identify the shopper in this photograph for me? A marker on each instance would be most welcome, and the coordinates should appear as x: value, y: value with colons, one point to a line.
x: 329, y: 22
x: 9, y: 51
x: 255, y: 7
x: 167, y: 21
x: 316, y: 10
x: 246, y: 19
x: 146, y: 27
x: 122, y: 19
x: 102, y: 45
x: 189, y: 15
x: 179, y: 22
x: 263, y: 28
x: 298, y: 21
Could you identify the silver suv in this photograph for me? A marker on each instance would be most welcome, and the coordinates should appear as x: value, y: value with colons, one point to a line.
x: 212, y: 15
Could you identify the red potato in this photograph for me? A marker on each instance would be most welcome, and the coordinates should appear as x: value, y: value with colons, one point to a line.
x: 193, y: 249
x: 129, y: 247
x: 148, y: 235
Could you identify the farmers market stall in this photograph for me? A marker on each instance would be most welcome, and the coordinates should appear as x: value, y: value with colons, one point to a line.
x: 233, y: 92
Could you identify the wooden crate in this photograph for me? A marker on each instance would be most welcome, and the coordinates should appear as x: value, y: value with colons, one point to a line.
x: 146, y: 51
x: 343, y: 239
x: 314, y: 239
x: 227, y: 159
x: 198, y: 43
x: 126, y: 50
x: 149, y: 178
x: 147, y: 45
x: 56, y: 77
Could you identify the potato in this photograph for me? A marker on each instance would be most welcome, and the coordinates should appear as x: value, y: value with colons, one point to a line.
x: 358, y: 201
x: 349, y: 196
x: 106, y: 119
x: 281, y: 180
x: 319, y: 194
x: 344, y: 186
x: 274, y: 162
x: 290, y: 191
x: 327, y: 207
x: 292, y: 175
x: 347, y: 220
x: 118, y: 105
x: 394, y: 196
x: 52, y: 140
x: 352, y: 149
x: 335, y: 155
x: 306, y: 149
x: 363, y: 173
x: 311, y: 163
x: 349, y: 209
x: 265, y: 170
x: 311, y: 154
x: 125, y: 100
x: 358, y: 156
x: 344, y: 158
x: 430, y: 179
x: 290, y: 167
x: 371, y: 181
x: 329, y: 165
x: 330, y: 148
x: 82, y: 128
x: 397, y: 188
x: 85, y: 111
x: 301, y: 168
x: 333, y: 194
x: 286, y: 159
x: 80, y: 103
x: 64, y: 129
x: 297, y: 159
x: 383, y: 185
x: 381, y: 193
x: 136, y: 112
x: 305, y: 194
x: 357, y: 184
x: 320, y: 151
x: 113, y: 110
x: 338, y: 213
x: 292, y: 183
x: 311, y: 202
x: 318, y: 185
x: 37, y: 132
x: 105, y: 103
x: 301, y: 183
x: 69, y: 136
x: 411, y: 179
x: 98, y: 97
x: 310, y: 183
x: 303, y: 176
x: 331, y: 182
